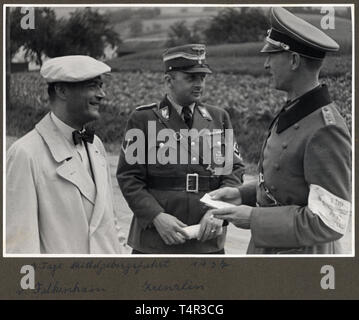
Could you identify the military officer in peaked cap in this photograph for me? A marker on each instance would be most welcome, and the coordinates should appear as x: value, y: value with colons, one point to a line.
x: 301, y: 203
x: 58, y: 185
x: 165, y: 197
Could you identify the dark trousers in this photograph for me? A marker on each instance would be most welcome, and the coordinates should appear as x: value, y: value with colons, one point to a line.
x: 134, y: 251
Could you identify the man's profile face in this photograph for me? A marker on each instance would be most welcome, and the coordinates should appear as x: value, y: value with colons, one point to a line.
x: 84, y: 99
x: 187, y: 87
x: 279, y: 66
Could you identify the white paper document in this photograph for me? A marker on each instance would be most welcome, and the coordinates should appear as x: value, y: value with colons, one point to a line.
x: 192, y: 231
x: 216, y: 204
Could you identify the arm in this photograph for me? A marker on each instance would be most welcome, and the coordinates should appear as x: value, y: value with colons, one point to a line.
x: 132, y: 179
x: 22, y: 229
x: 235, y: 178
x: 327, y: 163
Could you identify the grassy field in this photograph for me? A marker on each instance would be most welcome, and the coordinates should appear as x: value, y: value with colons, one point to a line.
x: 342, y: 33
x: 250, y: 100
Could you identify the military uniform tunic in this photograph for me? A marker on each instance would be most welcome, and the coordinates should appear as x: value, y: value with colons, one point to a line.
x: 152, y: 188
x: 308, y: 144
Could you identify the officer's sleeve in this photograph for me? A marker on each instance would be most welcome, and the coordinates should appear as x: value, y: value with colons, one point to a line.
x: 248, y: 193
x: 22, y: 229
x: 132, y: 180
x: 327, y: 163
x: 235, y: 177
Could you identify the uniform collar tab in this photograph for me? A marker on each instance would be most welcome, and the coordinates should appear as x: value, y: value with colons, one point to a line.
x: 303, y: 106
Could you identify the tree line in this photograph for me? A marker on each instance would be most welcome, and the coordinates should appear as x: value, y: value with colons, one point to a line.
x: 89, y: 32
x: 86, y: 32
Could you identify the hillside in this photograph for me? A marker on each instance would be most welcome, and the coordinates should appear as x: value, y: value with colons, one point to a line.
x: 151, y: 43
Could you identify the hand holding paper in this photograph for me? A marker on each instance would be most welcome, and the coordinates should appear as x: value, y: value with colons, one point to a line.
x: 216, y: 204
x: 227, y: 194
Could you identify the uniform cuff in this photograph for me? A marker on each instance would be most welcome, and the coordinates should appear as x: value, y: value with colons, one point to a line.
x: 249, y: 193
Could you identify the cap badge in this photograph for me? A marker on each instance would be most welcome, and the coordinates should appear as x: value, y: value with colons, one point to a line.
x: 165, y: 113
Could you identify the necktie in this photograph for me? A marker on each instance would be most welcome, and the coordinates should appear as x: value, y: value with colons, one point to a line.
x: 87, y: 136
x: 187, y: 116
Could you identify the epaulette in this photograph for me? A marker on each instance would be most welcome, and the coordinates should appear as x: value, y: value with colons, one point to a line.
x: 146, y: 106
x: 328, y: 116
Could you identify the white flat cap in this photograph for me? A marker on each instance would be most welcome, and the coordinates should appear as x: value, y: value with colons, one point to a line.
x: 72, y: 69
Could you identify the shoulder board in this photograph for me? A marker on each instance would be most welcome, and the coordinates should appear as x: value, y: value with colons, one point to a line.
x: 328, y: 116
x: 146, y: 106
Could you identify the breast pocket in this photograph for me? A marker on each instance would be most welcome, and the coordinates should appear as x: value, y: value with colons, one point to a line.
x: 215, y: 143
x: 162, y: 157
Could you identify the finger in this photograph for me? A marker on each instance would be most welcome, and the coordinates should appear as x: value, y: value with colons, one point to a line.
x: 219, y: 231
x: 207, y: 232
x: 181, y: 224
x: 217, y: 222
x: 165, y: 240
x: 209, y: 212
x: 224, y: 211
x: 216, y: 194
x: 201, y: 231
x: 181, y: 231
x: 227, y: 217
x: 170, y: 239
x: 213, y: 235
x: 179, y: 239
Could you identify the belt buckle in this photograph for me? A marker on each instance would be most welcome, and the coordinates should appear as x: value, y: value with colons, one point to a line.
x: 189, y: 182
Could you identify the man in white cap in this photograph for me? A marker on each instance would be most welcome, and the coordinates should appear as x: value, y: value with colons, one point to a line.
x: 59, y: 193
x: 301, y: 203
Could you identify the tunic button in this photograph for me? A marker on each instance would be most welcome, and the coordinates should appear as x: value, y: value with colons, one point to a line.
x: 273, y: 188
x: 284, y: 145
x: 161, y: 144
x: 194, y: 159
x: 276, y: 166
x: 219, y: 142
x: 193, y: 143
x: 296, y: 126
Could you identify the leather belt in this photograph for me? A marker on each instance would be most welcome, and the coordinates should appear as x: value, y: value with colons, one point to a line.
x: 192, y: 182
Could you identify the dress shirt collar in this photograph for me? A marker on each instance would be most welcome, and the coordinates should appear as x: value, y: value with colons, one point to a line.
x: 179, y: 107
x: 65, y: 129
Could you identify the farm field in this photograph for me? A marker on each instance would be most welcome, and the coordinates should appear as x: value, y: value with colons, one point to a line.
x: 250, y: 100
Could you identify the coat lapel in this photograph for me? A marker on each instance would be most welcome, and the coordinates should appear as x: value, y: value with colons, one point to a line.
x: 169, y: 117
x: 70, y: 167
x: 75, y: 172
x: 99, y: 168
x: 201, y: 118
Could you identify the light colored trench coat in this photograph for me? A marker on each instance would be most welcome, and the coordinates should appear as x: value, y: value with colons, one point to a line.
x: 52, y: 204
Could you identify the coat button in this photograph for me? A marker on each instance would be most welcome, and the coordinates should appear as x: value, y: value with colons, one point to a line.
x: 194, y: 159
x: 284, y: 145
x: 193, y: 143
x: 276, y: 166
x: 161, y: 144
x: 273, y: 188
x: 296, y: 126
